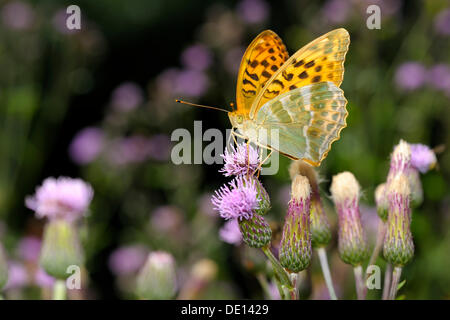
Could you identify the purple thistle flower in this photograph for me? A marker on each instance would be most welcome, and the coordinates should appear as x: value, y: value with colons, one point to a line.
x: 127, y: 260
x: 439, y: 77
x: 253, y: 11
x: 127, y: 97
x: 336, y: 11
x: 64, y: 198
x: 237, y: 200
x: 196, y: 57
x: 240, y: 161
x: 29, y: 248
x: 17, y: 276
x: 230, y: 232
x: 43, y: 279
x: 18, y: 15
x: 191, y: 83
x: 86, y: 145
x: 442, y: 22
x: 423, y: 157
x: 410, y: 76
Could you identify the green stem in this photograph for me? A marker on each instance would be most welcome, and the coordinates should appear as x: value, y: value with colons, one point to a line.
x: 396, y: 274
x: 59, y: 290
x: 279, y: 270
x: 378, y: 244
x: 387, y: 281
x: 359, y: 282
x: 326, y: 272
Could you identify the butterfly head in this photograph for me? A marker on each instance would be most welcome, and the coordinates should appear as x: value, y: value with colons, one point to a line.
x: 236, y: 119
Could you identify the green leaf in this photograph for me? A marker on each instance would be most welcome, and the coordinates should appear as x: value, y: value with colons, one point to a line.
x: 401, y: 284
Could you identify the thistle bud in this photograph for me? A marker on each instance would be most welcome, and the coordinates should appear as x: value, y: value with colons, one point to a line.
x: 3, y: 268
x: 255, y: 231
x: 400, y: 160
x: 398, y: 242
x: 381, y: 201
x: 295, y: 251
x: 60, y: 248
x: 264, y: 203
x: 320, y: 228
x: 345, y: 192
x: 157, y: 278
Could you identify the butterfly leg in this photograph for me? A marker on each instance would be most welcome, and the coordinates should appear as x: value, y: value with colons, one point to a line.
x: 262, y: 162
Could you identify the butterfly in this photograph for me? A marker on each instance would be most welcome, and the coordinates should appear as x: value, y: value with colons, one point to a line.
x: 292, y: 105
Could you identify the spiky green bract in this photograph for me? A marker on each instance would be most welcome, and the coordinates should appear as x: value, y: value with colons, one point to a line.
x: 256, y: 232
x: 351, y: 242
x: 398, y: 243
x: 295, y: 249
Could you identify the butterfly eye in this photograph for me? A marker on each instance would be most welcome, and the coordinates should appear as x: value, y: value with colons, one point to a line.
x: 240, y: 119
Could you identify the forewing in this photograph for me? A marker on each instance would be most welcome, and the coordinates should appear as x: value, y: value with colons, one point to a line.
x: 263, y: 57
x: 307, y: 121
x: 320, y: 60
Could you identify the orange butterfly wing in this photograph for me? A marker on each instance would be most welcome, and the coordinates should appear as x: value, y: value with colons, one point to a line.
x: 318, y: 61
x: 263, y: 57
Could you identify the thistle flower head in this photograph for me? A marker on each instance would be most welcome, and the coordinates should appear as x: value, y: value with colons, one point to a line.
x: 398, y: 244
x: 423, y: 157
x: 240, y: 160
x: 157, y: 279
x: 345, y: 192
x: 230, y: 232
x: 256, y: 232
x: 400, y: 160
x: 381, y: 201
x: 64, y: 198
x: 320, y: 228
x: 295, y: 252
x: 237, y: 200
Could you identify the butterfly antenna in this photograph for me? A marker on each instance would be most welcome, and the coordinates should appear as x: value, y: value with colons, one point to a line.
x: 201, y: 105
x: 232, y: 106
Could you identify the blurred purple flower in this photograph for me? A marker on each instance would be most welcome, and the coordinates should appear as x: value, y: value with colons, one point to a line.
x: 410, y: 76
x: 442, y: 22
x: 160, y: 147
x: 196, y: 57
x: 17, y: 276
x: 230, y: 232
x: 127, y: 260
x: 86, y: 145
x: 284, y: 195
x: 43, y: 280
x: 233, y: 59
x: 126, y: 97
x: 129, y: 150
x: 253, y: 11
x: 191, y: 83
x: 237, y: 200
x: 29, y: 248
x: 439, y: 77
x: 18, y: 15
x: 423, y: 157
x: 166, y: 219
x: 239, y: 160
x: 205, y: 206
x: 59, y: 22
x: 274, y: 292
x: 64, y: 198
x: 166, y: 81
x: 336, y: 11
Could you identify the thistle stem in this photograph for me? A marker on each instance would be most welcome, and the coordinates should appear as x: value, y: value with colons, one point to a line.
x: 359, y: 282
x: 396, y: 274
x: 378, y: 244
x: 59, y: 290
x: 279, y: 270
x: 295, y: 282
x: 326, y: 272
x: 387, y: 281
